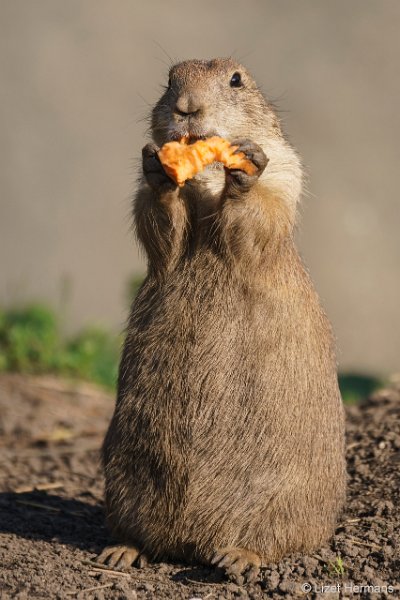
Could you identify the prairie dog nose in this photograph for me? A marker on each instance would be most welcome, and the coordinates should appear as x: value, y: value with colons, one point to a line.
x: 188, y: 105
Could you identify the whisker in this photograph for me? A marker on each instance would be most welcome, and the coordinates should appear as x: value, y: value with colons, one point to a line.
x: 171, y: 60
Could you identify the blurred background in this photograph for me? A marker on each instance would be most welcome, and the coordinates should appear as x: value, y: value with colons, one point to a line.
x: 78, y: 79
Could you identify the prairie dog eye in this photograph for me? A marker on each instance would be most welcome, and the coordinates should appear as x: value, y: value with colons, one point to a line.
x: 236, y: 80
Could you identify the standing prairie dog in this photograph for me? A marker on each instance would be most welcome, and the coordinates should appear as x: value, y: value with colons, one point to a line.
x: 227, y: 441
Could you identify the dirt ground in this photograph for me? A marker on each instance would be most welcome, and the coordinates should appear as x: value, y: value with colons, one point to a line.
x: 52, y: 526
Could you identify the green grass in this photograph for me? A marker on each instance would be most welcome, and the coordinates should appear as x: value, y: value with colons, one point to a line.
x: 356, y: 386
x: 335, y: 568
x: 30, y: 342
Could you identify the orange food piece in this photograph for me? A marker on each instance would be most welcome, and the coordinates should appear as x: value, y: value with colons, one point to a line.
x: 183, y: 161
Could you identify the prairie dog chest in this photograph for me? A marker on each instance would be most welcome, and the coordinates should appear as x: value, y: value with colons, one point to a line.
x: 204, y: 191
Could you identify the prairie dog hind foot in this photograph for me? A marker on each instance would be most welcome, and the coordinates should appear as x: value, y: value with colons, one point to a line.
x: 122, y: 557
x: 239, y: 564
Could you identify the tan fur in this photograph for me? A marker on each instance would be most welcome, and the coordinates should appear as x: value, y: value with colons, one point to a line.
x: 228, y: 426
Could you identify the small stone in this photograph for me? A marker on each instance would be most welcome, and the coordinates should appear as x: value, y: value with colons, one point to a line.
x: 388, y: 550
x: 378, y: 582
x: 350, y: 549
x: 310, y: 564
x: 242, y: 594
x: 163, y: 568
x: 287, y: 586
x: 125, y: 592
x: 368, y: 572
x: 271, y: 581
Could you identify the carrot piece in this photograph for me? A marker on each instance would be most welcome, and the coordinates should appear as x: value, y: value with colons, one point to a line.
x: 183, y: 161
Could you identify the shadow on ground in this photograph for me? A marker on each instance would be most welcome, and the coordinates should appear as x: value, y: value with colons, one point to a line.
x: 51, y: 518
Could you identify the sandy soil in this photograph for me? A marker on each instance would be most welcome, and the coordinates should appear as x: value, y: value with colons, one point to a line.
x: 52, y: 527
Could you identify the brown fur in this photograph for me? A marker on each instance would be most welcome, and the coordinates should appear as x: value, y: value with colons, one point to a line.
x: 228, y: 426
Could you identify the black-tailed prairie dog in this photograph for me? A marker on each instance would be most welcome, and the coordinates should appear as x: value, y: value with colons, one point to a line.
x: 227, y: 441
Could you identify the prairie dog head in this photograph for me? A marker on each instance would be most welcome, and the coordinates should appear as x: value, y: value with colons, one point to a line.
x: 219, y: 97
x: 215, y: 97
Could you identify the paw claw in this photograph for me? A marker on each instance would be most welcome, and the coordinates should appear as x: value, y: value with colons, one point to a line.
x: 253, y: 152
x: 252, y: 574
x: 153, y: 170
x: 239, y: 564
x: 142, y: 561
x: 216, y: 558
x: 121, y: 557
x: 226, y: 562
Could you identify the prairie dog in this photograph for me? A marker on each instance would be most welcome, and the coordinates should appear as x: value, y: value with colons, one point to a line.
x: 227, y: 441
